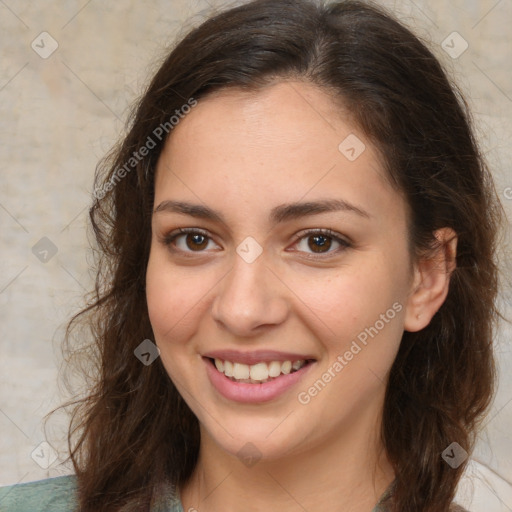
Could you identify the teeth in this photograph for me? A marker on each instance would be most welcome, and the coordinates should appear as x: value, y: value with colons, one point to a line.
x: 286, y: 367
x: 240, y: 371
x: 228, y: 369
x: 274, y: 369
x: 257, y: 373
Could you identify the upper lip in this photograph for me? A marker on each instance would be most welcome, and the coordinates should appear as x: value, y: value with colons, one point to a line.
x: 256, y: 356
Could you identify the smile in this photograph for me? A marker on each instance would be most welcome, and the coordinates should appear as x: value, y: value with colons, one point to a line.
x: 258, y: 373
x: 261, y: 377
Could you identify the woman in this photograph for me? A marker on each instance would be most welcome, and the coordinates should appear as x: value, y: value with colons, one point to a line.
x: 296, y: 295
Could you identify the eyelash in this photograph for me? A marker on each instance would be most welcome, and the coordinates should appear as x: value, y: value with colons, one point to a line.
x: 345, y: 244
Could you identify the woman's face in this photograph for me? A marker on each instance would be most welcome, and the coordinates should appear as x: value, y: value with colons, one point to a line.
x: 295, y: 251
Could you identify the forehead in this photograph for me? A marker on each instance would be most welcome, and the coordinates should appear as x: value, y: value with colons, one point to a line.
x: 284, y: 142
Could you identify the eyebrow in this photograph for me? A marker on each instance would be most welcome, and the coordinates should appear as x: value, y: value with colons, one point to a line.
x: 279, y: 214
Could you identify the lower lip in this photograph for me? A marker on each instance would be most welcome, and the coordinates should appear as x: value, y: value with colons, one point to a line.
x: 253, y: 393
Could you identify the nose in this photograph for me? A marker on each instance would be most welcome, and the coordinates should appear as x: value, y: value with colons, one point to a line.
x: 249, y: 298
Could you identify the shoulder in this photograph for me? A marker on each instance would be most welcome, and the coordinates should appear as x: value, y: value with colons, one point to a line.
x: 50, y: 495
x: 453, y: 508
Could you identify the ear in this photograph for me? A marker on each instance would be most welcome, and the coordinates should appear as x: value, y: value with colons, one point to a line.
x: 431, y: 281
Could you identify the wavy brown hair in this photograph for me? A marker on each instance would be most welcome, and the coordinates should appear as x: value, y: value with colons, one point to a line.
x: 133, y: 433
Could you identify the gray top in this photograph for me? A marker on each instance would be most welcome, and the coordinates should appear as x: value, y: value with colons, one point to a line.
x: 52, y: 495
x: 59, y: 495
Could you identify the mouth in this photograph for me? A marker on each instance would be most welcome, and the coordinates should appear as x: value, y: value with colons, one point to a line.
x: 262, y: 377
x: 259, y: 373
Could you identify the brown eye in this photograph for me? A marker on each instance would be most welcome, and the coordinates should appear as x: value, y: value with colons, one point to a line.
x: 188, y: 240
x: 196, y: 241
x: 319, y: 243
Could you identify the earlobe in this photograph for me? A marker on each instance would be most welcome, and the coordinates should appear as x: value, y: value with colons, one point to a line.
x: 431, y: 281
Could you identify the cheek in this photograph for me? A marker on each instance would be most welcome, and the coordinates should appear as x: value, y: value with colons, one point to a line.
x: 346, y: 302
x: 173, y: 305
x: 173, y: 298
x: 358, y: 317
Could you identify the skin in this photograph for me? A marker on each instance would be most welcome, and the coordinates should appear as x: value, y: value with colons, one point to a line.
x: 242, y: 154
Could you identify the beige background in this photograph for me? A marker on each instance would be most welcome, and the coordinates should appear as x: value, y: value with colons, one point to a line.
x: 61, y: 114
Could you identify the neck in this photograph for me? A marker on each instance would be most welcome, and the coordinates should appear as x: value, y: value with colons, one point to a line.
x: 348, y: 468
